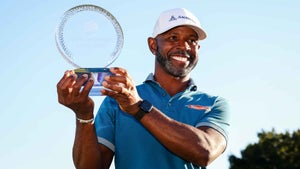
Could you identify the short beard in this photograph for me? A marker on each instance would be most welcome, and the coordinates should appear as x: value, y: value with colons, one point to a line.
x: 167, y: 66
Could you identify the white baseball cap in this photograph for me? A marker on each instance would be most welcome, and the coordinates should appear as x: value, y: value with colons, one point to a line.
x: 177, y: 17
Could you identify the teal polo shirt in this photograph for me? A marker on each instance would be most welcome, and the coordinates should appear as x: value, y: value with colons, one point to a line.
x: 135, y: 147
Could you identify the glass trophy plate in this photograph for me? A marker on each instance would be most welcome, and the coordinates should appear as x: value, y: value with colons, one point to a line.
x: 90, y: 39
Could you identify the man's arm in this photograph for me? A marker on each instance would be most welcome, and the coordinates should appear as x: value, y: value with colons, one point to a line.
x: 199, y: 145
x: 87, y: 152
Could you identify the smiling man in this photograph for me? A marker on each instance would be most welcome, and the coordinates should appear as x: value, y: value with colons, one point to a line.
x: 164, y: 123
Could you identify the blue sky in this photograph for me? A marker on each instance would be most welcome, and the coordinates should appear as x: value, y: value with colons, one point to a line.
x: 251, y: 57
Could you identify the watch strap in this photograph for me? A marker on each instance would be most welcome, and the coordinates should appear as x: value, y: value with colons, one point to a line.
x: 145, y: 107
x: 139, y: 115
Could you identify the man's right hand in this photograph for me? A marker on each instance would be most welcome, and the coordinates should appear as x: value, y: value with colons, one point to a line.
x: 70, y: 94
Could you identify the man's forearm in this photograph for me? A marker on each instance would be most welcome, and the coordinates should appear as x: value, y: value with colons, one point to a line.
x: 86, y: 154
x: 188, y: 142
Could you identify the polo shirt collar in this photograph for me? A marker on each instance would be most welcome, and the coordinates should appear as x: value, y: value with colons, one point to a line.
x: 191, y: 87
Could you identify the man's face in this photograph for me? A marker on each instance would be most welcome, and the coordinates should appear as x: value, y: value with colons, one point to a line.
x: 177, y: 51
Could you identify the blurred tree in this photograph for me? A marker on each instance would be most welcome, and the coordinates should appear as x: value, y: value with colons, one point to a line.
x: 273, y: 151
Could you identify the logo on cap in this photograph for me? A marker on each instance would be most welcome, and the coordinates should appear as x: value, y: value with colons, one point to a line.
x: 173, y: 18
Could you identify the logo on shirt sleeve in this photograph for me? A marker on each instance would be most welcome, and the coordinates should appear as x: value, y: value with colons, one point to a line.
x: 198, y: 107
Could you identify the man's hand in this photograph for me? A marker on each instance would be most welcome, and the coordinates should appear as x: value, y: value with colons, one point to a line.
x: 70, y: 94
x: 122, y: 88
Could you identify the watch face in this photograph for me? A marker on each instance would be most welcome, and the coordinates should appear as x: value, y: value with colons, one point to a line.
x: 146, y: 106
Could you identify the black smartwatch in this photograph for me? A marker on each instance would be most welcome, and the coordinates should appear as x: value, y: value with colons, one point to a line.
x: 145, y: 107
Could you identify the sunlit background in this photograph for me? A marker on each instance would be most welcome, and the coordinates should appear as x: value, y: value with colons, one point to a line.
x: 251, y: 57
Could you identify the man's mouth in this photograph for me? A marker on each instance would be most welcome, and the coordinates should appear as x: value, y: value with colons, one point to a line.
x: 181, y: 59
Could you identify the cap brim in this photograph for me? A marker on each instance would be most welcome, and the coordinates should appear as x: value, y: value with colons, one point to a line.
x: 201, y: 33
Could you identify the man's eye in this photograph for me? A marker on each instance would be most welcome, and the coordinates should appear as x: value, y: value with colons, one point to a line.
x: 173, y: 38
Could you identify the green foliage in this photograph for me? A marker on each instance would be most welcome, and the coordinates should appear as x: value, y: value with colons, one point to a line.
x: 273, y: 151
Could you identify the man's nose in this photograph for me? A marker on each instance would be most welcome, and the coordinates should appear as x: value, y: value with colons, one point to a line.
x: 184, y: 45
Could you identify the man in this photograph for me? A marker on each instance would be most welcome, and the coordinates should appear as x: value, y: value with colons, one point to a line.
x: 164, y: 123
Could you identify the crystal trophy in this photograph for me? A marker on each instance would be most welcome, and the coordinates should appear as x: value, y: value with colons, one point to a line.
x: 90, y: 39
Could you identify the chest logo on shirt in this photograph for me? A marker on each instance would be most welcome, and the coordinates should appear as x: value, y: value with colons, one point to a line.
x: 198, y: 107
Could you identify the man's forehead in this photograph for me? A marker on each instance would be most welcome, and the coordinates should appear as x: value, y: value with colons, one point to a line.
x: 184, y: 29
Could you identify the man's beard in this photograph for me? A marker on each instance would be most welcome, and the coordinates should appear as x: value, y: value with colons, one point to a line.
x: 168, y: 67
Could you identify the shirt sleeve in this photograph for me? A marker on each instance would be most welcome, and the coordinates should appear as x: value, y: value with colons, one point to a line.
x: 105, y: 123
x: 218, y: 117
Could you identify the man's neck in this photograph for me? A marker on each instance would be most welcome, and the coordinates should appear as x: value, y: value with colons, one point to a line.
x: 171, y: 84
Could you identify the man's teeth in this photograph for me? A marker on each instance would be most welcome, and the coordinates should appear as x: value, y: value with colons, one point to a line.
x: 182, y: 59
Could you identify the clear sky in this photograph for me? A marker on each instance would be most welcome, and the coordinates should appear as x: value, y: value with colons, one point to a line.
x: 251, y: 57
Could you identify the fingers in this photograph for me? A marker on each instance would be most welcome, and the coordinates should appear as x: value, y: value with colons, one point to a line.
x: 65, y: 83
x: 120, y: 77
x: 114, y: 88
x: 67, y: 74
x: 118, y: 83
x: 77, y: 86
x: 72, y: 95
x: 120, y: 86
x: 71, y: 85
x: 86, y: 89
x: 118, y: 71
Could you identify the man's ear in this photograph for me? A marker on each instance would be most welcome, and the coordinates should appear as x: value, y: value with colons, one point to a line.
x: 152, y: 45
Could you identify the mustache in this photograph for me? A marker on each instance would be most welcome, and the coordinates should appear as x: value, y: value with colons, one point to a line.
x: 181, y: 52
